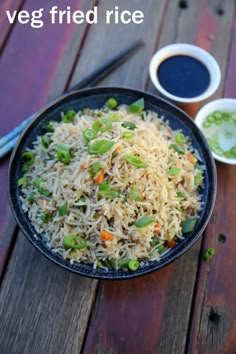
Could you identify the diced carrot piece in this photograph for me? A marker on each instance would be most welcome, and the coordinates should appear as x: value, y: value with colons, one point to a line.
x: 82, y: 167
x: 157, y: 228
x: 106, y: 236
x: 191, y: 159
x: 99, y: 179
x: 171, y: 243
x: 143, y: 196
x: 118, y: 148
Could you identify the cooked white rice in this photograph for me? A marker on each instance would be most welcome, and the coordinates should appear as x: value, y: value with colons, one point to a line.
x: 68, y: 183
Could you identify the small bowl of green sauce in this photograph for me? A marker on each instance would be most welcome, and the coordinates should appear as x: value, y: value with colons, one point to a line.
x: 217, y: 121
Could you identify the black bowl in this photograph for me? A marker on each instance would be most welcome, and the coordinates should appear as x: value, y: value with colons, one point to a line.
x: 95, y: 98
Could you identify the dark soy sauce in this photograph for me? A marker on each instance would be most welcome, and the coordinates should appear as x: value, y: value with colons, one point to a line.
x: 183, y: 76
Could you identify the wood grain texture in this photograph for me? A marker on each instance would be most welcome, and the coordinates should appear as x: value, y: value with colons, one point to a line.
x: 161, y: 312
x: 34, y: 66
x: 43, y: 308
x: 5, y: 27
x: 214, y: 317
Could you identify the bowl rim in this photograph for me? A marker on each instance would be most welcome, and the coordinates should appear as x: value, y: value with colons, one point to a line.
x: 116, y: 275
x: 194, y: 51
x: 201, y: 115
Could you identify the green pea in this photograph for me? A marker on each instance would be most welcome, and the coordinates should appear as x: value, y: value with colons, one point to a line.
x: 111, y: 103
x: 206, y: 124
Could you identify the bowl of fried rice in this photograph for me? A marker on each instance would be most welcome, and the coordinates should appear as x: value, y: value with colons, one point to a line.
x: 112, y: 183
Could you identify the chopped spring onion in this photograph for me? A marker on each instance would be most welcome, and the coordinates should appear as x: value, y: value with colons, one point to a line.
x: 177, y: 149
x: 100, y: 147
x: 135, y: 161
x: 208, y: 254
x: 45, y: 141
x: 62, y: 210
x: 144, y: 221
x: 129, y: 125
x: 74, y: 242
x: 46, y: 217
x: 114, y: 117
x: 188, y: 225
x: 181, y: 195
x: 63, y: 154
x: 180, y: 138
x: 28, y: 157
x: 102, y: 125
x: 94, y: 169
x: 22, y: 181
x: 89, y: 134
x: 135, y: 194
x: 174, y: 171
x: 137, y: 106
x: 37, y: 182
x: 44, y: 192
x: 233, y: 151
x: 161, y: 248
x: 111, y: 103
x: 123, y: 263
x: 154, y: 241
x: 133, y: 265
x: 31, y: 197
x: 127, y: 135
x: 110, y: 193
x: 69, y: 116
x: 49, y: 127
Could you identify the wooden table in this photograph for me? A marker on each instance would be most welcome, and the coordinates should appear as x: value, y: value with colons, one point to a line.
x: 189, y: 306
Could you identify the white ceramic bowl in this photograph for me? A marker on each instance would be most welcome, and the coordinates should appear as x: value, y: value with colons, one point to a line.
x: 228, y: 128
x: 195, y: 52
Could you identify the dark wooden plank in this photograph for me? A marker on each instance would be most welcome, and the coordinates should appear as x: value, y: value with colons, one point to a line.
x: 152, y: 313
x: 43, y: 308
x: 35, y: 65
x: 214, y: 315
x: 5, y: 27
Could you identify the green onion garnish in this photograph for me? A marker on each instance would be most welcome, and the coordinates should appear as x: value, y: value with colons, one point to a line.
x: 111, y: 103
x: 74, y: 242
x: 174, y: 171
x: 137, y: 106
x: 181, y: 195
x: 31, y: 197
x: 135, y: 194
x: 129, y: 125
x: 133, y: 265
x: 89, y: 134
x: 100, y: 147
x: 127, y: 135
x: 94, y: 169
x: 144, y: 221
x: 63, y: 154
x: 49, y: 127
x: 45, y: 141
x: 208, y: 254
x: 62, y: 210
x: 135, y: 161
x: 102, y: 125
x: 69, y: 116
x: 177, y: 148
x: 188, y: 225
x: 46, y: 217
x: 28, y: 157
x: 22, y: 181
x: 114, y: 117
x: 180, y: 138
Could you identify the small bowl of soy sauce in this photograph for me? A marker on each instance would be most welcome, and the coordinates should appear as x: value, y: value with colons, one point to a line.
x: 184, y: 73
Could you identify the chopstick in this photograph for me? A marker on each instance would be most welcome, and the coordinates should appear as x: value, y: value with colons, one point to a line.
x: 8, y: 141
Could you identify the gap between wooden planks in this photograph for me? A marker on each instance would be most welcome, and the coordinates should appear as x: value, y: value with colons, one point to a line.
x: 151, y: 314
